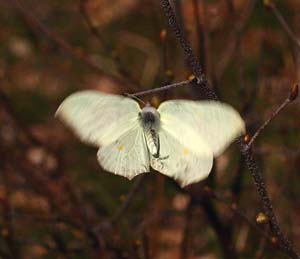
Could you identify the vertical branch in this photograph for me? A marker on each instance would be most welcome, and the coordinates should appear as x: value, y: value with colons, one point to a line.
x: 8, y: 230
x: 230, y: 7
x: 178, y: 10
x: 191, y: 60
x: 200, y: 34
x: 223, y: 232
x: 283, y: 243
x: 187, y: 233
x: 234, y: 38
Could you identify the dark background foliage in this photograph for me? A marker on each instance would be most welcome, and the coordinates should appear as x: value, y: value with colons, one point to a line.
x: 55, y: 200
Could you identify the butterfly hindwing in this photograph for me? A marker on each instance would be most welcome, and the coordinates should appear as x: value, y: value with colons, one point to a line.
x: 178, y: 158
x: 127, y: 156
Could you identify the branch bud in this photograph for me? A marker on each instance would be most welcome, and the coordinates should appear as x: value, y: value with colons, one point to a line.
x: 294, y: 92
x: 208, y: 191
x: 191, y: 77
x: 267, y: 3
x: 274, y: 241
x: 163, y: 35
x: 247, y: 139
x: 262, y: 218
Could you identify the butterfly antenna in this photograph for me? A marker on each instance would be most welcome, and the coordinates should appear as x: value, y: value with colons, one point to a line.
x: 135, y: 98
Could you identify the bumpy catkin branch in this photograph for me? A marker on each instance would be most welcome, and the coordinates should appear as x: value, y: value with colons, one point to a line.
x: 283, y: 243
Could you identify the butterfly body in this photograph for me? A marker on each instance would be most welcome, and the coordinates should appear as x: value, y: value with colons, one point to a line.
x: 179, y: 139
x: 150, y: 122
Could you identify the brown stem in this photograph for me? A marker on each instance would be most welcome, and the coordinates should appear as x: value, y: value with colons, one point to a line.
x: 283, y: 243
x: 283, y: 23
x: 267, y: 122
x: 61, y: 43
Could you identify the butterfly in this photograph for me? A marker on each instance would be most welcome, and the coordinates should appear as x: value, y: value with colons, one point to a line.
x: 179, y: 139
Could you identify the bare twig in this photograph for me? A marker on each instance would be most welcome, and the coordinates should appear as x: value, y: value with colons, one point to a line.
x: 283, y: 243
x: 230, y: 7
x: 201, y: 53
x: 267, y: 122
x: 8, y: 229
x: 233, y: 207
x: 163, y: 88
x: 223, y: 232
x: 187, y: 233
x: 190, y: 58
x: 234, y: 38
x: 121, y: 68
x: 129, y: 197
x: 292, y: 96
x: 61, y: 43
x: 282, y: 21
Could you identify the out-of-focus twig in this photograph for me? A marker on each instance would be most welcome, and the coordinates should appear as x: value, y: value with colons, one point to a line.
x: 190, y: 58
x: 270, y: 4
x: 126, y: 203
x: 61, y: 43
x: 121, y: 68
x: 233, y: 39
x: 230, y: 7
x: 187, y: 232
x: 201, y: 34
x: 8, y: 228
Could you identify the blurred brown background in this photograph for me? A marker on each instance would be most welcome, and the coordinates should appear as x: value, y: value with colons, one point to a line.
x: 56, y: 202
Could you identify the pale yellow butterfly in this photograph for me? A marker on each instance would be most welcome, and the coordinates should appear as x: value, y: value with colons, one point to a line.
x: 179, y: 139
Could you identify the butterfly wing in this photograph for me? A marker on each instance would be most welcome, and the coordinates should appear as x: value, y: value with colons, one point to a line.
x: 128, y: 155
x: 218, y: 124
x: 112, y: 122
x: 183, y: 155
x: 98, y: 118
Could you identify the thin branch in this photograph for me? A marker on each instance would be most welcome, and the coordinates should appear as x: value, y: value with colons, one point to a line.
x: 283, y: 243
x: 61, y: 43
x: 267, y: 122
x: 190, y: 58
x: 163, y: 88
x: 8, y: 228
x: 187, y: 233
x: 129, y: 197
x: 201, y: 35
x: 230, y: 7
x: 93, y: 29
x: 178, y: 10
x: 282, y: 21
x: 232, y: 206
x: 292, y: 96
x: 234, y: 38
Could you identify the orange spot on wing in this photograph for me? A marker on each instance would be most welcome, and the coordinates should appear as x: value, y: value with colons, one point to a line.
x: 120, y: 147
x: 186, y: 151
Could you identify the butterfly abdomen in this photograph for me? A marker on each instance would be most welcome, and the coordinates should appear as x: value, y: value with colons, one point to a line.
x: 150, y: 121
x: 152, y: 141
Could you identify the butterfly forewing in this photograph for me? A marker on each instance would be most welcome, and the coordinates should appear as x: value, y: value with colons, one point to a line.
x: 218, y: 124
x: 98, y: 118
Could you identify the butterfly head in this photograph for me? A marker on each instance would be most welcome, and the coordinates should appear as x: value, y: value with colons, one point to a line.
x: 149, y: 118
